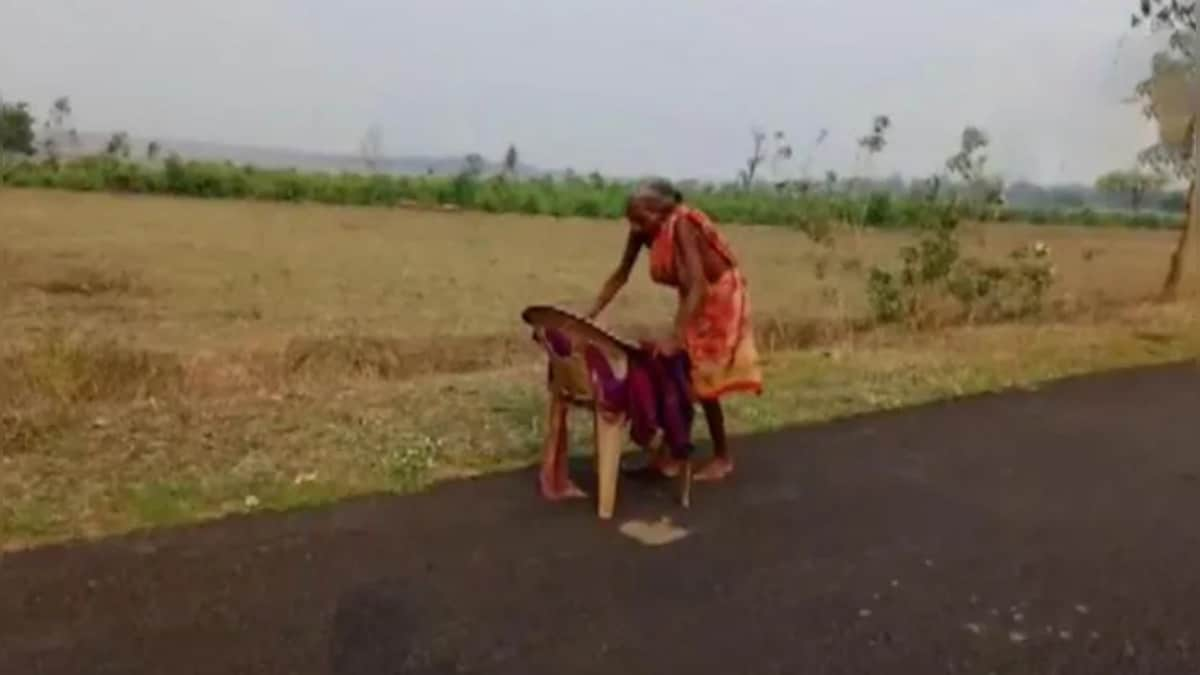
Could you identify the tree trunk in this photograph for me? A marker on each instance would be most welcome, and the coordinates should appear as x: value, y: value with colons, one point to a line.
x: 1183, y: 275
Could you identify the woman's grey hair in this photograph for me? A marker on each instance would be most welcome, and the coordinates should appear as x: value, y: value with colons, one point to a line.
x: 657, y: 188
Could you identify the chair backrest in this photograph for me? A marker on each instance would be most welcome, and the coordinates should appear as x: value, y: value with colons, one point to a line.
x: 570, y: 343
x: 568, y: 371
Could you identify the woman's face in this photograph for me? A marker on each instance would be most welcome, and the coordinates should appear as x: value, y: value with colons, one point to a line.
x: 646, y: 215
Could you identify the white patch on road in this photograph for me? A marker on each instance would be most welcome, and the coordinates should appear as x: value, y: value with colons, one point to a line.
x: 657, y: 533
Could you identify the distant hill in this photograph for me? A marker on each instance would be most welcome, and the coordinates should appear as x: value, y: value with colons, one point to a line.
x: 281, y: 158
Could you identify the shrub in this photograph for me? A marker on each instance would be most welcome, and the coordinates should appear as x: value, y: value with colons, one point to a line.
x: 935, y: 282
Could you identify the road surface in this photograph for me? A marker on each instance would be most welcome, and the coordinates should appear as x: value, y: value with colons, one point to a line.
x: 1047, y: 532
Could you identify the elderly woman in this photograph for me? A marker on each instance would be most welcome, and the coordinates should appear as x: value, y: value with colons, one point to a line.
x: 712, y: 325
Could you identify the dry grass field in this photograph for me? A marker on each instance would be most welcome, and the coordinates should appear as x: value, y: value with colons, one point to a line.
x: 163, y: 360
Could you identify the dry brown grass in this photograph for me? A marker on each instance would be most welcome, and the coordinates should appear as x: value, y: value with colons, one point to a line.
x: 89, y: 282
x: 163, y: 360
x: 239, y: 291
x: 70, y: 369
x: 234, y: 275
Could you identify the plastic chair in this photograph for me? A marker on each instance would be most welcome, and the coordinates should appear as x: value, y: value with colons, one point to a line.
x: 587, y: 368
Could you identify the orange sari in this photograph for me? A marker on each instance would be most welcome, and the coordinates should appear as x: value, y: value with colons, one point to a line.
x: 719, y: 339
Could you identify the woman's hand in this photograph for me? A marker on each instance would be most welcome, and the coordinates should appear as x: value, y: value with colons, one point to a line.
x: 668, y: 347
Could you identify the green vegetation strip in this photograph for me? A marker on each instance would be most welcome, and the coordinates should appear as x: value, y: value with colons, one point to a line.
x: 589, y: 197
x: 103, y: 469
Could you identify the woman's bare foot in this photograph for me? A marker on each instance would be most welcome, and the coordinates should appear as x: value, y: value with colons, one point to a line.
x: 558, y: 488
x: 718, y: 468
x: 668, y: 466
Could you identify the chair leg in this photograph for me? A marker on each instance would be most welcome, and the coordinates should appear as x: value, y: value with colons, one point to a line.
x: 553, y: 477
x: 685, y: 484
x: 608, y: 461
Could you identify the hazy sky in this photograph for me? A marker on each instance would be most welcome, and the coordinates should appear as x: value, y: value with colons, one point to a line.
x: 622, y: 86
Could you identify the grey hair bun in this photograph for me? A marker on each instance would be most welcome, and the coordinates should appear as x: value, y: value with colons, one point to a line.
x: 660, y: 188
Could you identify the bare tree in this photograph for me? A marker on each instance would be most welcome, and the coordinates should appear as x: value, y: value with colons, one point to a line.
x: 153, y: 150
x: 876, y: 140
x: 57, y: 130
x: 757, y: 156
x: 931, y: 188
x: 781, y: 153
x: 511, y: 161
x: 968, y: 163
x: 872, y: 144
x: 1169, y: 97
x: 118, y: 145
x: 60, y: 112
x: 371, y: 148
x: 831, y: 181
x: 473, y: 165
x: 812, y: 150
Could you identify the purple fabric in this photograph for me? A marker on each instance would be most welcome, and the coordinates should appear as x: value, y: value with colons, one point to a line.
x: 676, y: 411
x: 610, y: 392
x: 558, y: 343
x: 642, y: 401
x: 657, y: 398
x: 654, y: 394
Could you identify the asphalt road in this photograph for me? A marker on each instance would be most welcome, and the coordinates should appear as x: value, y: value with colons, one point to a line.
x: 1047, y: 532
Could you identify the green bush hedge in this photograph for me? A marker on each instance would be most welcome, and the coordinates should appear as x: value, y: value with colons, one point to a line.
x: 591, y: 197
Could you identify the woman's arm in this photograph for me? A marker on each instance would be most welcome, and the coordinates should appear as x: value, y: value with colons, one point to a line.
x: 695, y: 283
x: 619, y: 277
